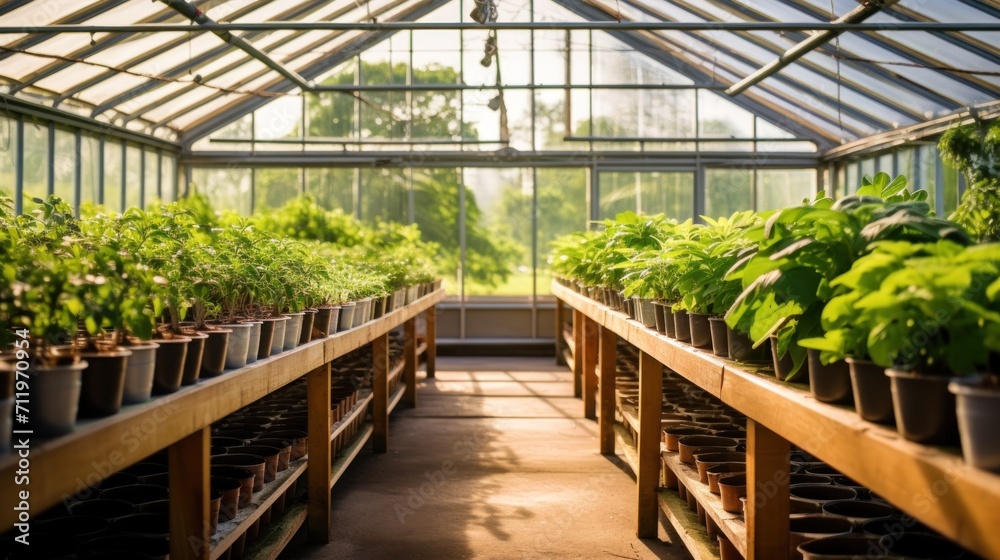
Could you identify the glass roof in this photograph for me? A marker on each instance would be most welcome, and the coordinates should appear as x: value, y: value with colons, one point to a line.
x: 187, y: 85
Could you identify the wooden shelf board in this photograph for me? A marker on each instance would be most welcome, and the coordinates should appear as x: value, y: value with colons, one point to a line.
x: 396, y: 396
x: 361, y: 408
x: 568, y: 340
x: 687, y: 527
x: 71, y: 462
x: 932, y: 484
x: 732, y: 525
x: 395, y: 371
x: 350, y: 452
x: 229, y: 531
x: 628, y: 452
x: 630, y: 415
x: 421, y: 349
x: 568, y: 358
x: 273, y: 539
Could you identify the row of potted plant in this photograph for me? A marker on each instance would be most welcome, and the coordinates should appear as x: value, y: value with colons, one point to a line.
x: 111, y: 309
x: 881, y: 302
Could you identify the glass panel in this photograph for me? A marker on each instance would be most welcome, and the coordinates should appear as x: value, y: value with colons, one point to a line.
x: 65, y: 166
x: 90, y: 154
x: 617, y: 193
x: 852, y: 180
x: 281, y: 118
x: 550, y: 57
x: 550, y: 121
x: 497, y: 232
x: 384, y: 195
x: 227, y: 188
x: 332, y: 188
x: 885, y: 164
x: 435, y: 211
x: 8, y: 156
x: 168, y: 182
x: 273, y: 187
x: 720, y: 118
x: 670, y: 193
x: 562, y: 209
x: 152, y: 182
x: 906, y: 165
x: 113, y: 175
x: 133, y: 176
x: 727, y: 191
x: 36, y: 162
x: 868, y: 167
x: 928, y: 171
x: 949, y: 190
x: 644, y: 113
x: 781, y: 188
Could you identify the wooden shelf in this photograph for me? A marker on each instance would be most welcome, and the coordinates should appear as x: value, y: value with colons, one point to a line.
x: 421, y: 349
x: 360, y: 409
x: 273, y: 540
x: 350, y: 452
x: 567, y: 335
x: 230, y: 531
x: 569, y: 359
x: 97, y: 448
x: 627, y: 445
x: 396, y: 396
x: 686, y: 525
x: 932, y: 484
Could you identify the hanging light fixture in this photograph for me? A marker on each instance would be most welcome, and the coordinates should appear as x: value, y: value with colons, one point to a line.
x: 484, y: 12
x: 489, y: 50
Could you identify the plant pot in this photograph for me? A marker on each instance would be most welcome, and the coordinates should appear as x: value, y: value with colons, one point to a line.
x: 741, y: 348
x: 700, y: 329
x: 102, y: 384
x: 55, y: 398
x: 667, y: 309
x: 661, y: 327
x: 213, y: 362
x: 411, y: 294
x: 782, y: 366
x: 195, y: 352
x: 682, y: 326
x: 361, y: 312
x: 705, y: 461
x: 136, y: 494
x: 306, y: 332
x: 140, y: 372
x: 278, y: 336
x: 252, y: 463
x: 244, y: 476
x: 253, y: 347
x: 293, y: 330
x: 810, y: 526
x: 672, y: 435
x: 326, y: 320
x: 284, y: 447
x: 819, y: 494
x: 214, y: 507
x: 140, y: 548
x: 298, y: 438
x: 925, y: 409
x: 914, y: 546
x: 346, y: 320
x: 230, y: 501
x: 688, y: 446
x: 978, y: 412
x: 843, y: 547
x: 168, y: 373
x: 103, y: 508
x: 720, y: 336
x: 646, y: 312
x: 399, y: 297
x: 381, y: 307
x: 151, y: 525
x: 731, y: 489
x: 798, y: 479
x: 858, y: 511
x: 84, y: 527
x: 829, y: 383
x: 727, y: 550
x: 238, y: 345
x: 714, y: 473
x: 270, y: 455
x: 872, y: 391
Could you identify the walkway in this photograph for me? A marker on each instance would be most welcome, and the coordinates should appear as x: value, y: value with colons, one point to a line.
x: 495, y: 462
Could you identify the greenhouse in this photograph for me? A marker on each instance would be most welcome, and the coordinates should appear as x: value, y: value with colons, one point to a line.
x: 668, y: 278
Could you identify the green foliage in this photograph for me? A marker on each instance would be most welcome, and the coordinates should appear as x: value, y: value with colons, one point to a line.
x: 975, y: 151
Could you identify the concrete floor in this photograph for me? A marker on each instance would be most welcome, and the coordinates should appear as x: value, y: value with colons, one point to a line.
x: 495, y: 462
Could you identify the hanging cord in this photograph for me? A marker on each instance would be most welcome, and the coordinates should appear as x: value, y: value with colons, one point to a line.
x: 618, y: 6
x: 837, y: 57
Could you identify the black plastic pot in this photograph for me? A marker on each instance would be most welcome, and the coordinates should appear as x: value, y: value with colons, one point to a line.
x: 266, y: 337
x: 43, y: 546
x: 720, y: 336
x: 819, y: 494
x: 914, y: 546
x: 809, y: 527
x: 858, y: 511
x: 872, y: 392
x: 829, y: 383
x: 741, y: 348
x: 782, y: 366
x: 682, y: 326
x: 700, y: 329
x: 137, y: 494
x: 667, y: 309
x: 325, y: 318
x: 978, y: 410
x: 244, y: 476
x: 192, y: 362
x: 661, y: 327
x: 925, y: 409
x: 83, y: 527
x: 103, y: 382
x: 230, y: 500
x: 848, y: 547
x: 103, y: 508
x: 152, y: 525
x: 213, y: 362
x: 139, y: 548
x: 170, y: 359
x: 117, y: 479
x: 305, y: 334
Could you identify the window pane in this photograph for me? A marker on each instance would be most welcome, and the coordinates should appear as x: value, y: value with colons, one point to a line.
x: 133, y: 176
x: 272, y: 188
x: 36, y: 162
x: 781, y: 188
x: 168, y: 185
x: 113, y: 175
x: 435, y: 211
x: 152, y: 171
x: 562, y: 209
x: 949, y: 191
x: 8, y: 155
x: 498, y: 232
x: 670, y: 193
x: 383, y: 195
x: 332, y: 188
x: 65, y: 163
x: 617, y: 193
x: 727, y: 191
x: 227, y: 189
x: 90, y: 153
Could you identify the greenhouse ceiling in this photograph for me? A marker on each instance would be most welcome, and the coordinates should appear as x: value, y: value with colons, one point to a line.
x: 839, y: 70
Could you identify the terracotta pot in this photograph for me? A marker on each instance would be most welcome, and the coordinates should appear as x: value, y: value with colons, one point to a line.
x: 701, y: 330
x: 782, y: 366
x: 819, y: 494
x: 192, y: 363
x: 671, y: 435
x: 727, y: 550
x: 731, y: 489
x: 213, y: 362
x: 682, y: 326
x: 798, y: 479
x: 306, y: 332
x: 140, y: 548
x: 214, y: 507
x: 103, y: 382
x: 253, y: 347
x: 140, y: 372
x: 238, y: 345
x: 298, y: 438
x: 103, y: 508
x: 872, y: 391
x: 136, y: 494
x: 714, y: 473
x: 270, y: 455
x: 168, y: 372
x: 244, y: 476
x: 720, y: 338
x: 978, y: 412
x: 924, y: 408
x: 844, y: 547
x: 829, y: 383
x: 326, y: 320
x: 229, y: 502
x: 252, y: 463
x: 808, y: 527
x: 284, y: 446
x: 858, y: 511
x: 705, y: 461
x: 55, y: 397
x: 741, y: 348
x: 688, y: 446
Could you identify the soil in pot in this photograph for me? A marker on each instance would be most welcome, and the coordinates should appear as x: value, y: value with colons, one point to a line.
x: 731, y: 488
x: 270, y: 455
x: 230, y: 501
x: 192, y: 363
x: 140, y: 372
x: 213, y: 362
x: 925, y: 409
x: 244, y: 476
x: 913, y: 546
x: 346, y: 319
x: 700, y: 329
x: 55, y: 397
x: 858, y: 511
x: 253, y: 347
x: 252, y: 463
x: 238, y: 345
x: 782, y: 366
x: 718, y: 471
x: 720, y: 336
x: 872, y: 392
x: 103, y: 508
x: 845, y: 547
x: 139, y: 548
x: 137, y: 494
x: 682, y: 326
x: 977, y: 406
x: 326, y: 321
x: 808, y: 527
x: 103, y: 382
x: 268, y: 328
x: 168, y: 373
x: 829, y: 383
x: 306, y: 331
x: 741, y: 348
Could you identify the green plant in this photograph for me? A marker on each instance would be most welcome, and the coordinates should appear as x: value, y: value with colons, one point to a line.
x: 975, y: 151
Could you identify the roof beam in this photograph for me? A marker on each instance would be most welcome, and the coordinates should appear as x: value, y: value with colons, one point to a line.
x: 856, y: 15
x: 37, y: 35
x: 960, y: 40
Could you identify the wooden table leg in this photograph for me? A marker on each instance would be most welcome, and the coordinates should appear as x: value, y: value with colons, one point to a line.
x: 767, y: 493
x: 606, y: 386
x: 578, y: 327
x: 560, y: 343
x: 648, y: 477
x: 590, y: 369
x: 431, y: 353
x: 189, y: 462
x: 380, y: 393
x: 320, y: 459
x: 410, y: 362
